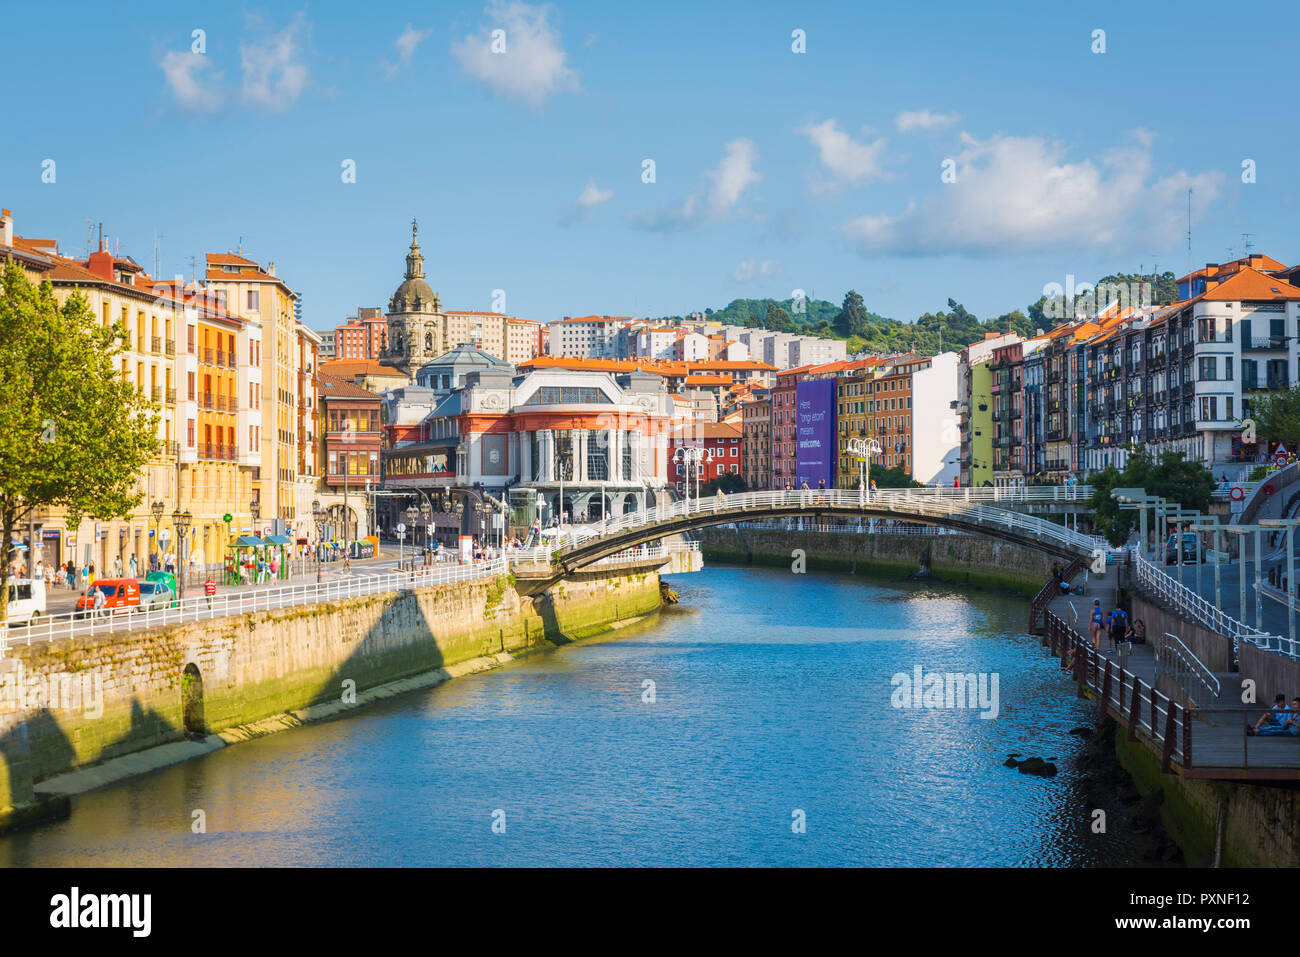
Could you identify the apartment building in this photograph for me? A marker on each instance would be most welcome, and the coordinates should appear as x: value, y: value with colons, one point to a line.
x: 756, y: 440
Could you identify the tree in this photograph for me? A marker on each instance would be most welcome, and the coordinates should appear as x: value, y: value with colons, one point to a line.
x: 852, y: 320
x: 893, y: 477
x: 1172, y: 476
x: 728, y: 482
x: 76, y: 434
x: 778, y: 320
x: 1277, y: 417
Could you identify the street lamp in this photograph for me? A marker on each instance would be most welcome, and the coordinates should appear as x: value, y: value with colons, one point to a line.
x: 694, y: 457
x: 157, y: 508
x: 863, y: 449
x: 1242, y: 531
x: 1289, y: 524
x: 1212, y: 528
x: 563, y: 464
x: 181, y: 520
x: 318, y: 516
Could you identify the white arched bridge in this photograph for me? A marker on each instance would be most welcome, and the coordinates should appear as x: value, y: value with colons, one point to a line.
x: 990, y: 512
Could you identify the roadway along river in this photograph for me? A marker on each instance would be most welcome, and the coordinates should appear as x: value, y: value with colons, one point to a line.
x: 772, y: 694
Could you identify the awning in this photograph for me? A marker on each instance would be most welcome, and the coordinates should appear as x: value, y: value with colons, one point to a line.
x: 248, y: 541
x: 278, y: 540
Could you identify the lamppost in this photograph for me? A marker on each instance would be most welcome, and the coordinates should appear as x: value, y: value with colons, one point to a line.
x: 1289, y: 524
x: 1242, y: 531
x: 563, y: 464
x: 863, y: 449
x: 181, y: 520
x: 412, y: 514
x: 318, y: 516
x: 157, y: 508
x: 1201, y: 529
x: 694, y: 457
x: 426, y: 516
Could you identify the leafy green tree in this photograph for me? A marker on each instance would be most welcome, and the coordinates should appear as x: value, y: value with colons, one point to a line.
x: 778, y: 320
x: 852, y: 320
x: 893, y: 477
x: 730, y: 482
x: 76, y: 434
x: 1277, y: 416
x: 1172, y: 476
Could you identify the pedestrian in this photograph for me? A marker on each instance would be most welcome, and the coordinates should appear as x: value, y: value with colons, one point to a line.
x: 100, y: 600
x: 135, y: 567
x: 117, y: 567
x: 1118, y: 627
x: 1096, y: 623
x: 210, y: 590
x: 956, y: 483
x: 90, y: 573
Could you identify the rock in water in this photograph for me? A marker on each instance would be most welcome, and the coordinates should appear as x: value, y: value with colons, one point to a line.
x: 1081, y: 732
x: 1010, y: 763
x: 1044, y: 769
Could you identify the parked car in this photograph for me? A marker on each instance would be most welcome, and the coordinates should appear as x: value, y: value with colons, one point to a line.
x: 121, y: 597
x: 1192, y: 552
x: 155, y: 595
x: 26, y: 601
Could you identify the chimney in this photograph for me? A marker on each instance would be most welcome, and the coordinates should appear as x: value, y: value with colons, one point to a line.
x: 101, y: 264
x: 270, y: 268
x: 6, y: 228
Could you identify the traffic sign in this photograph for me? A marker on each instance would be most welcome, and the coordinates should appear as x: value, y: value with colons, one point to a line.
x: 401, y: 527
x: 227, y: 518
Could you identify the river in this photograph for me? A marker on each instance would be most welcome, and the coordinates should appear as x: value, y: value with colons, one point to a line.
x: 771, y: 709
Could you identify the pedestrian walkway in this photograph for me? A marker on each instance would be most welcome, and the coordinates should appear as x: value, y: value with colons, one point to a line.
x: 1213, y: 743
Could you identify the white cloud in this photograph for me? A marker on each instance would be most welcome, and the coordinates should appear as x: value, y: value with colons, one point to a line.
x: 750, y: 269
x: 405, y: 44
x: 1022, y: 193
x: 591, y: 196
x: 719, y: 197
x: 274, y: 74
x: 194, y: 82
x: 846, y: 159
x: 909, y: 120
x: 532, y: 66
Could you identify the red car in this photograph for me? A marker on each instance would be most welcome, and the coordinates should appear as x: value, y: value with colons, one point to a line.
x: 121, y: 597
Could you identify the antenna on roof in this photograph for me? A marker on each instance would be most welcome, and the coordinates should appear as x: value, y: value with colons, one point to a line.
x: 193, y: 269
x: 1245, y: 238
x: 157, y: 254
x: 240, y: 249
x: 1189, y: 230
x: 90, y: 233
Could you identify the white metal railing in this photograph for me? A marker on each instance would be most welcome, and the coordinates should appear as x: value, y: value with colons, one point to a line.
x: 791, y: 525
x: 1192, y: 606
x: 111, y: 621
x: 905, y: 504
x: 1175, y: 660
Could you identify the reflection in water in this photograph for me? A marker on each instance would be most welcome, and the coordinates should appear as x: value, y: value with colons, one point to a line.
x: 771, y: 696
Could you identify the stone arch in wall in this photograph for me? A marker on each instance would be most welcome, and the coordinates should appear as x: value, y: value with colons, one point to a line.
x: 192, y: 719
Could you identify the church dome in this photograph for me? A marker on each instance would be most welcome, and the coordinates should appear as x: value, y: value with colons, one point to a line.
x: 414, y: 294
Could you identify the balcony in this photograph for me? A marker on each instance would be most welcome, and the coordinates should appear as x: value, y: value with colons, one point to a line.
x: 173, y: 449
x: 208, y: 356
x: 156, y: 344
x: 171, y: 347
x: 157, y: 395
x: 171, y: 396
x: 1264, y: 344
x: 205, y: 400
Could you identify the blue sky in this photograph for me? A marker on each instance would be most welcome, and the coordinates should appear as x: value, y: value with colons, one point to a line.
x: 774, y: 170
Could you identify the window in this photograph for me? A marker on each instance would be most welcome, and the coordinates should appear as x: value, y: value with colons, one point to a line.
x: 254, y: 300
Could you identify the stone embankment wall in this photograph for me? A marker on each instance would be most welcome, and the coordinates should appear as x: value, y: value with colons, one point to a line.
x: 82, y: 701
x: 958, y: 559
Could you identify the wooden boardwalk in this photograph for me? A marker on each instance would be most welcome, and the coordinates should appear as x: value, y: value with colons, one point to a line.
x: 1206, y: 737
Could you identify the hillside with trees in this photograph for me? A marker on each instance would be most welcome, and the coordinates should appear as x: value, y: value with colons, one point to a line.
x: 934, y: 332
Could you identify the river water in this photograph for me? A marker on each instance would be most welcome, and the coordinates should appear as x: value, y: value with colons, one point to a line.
x: 772, y: 706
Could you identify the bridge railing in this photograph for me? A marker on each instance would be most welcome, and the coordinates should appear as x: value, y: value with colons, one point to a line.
x: 114, y: 621
x: 1132, y: 702
x: 881, y: 528
x: 906, y: 503
x: 1191, y: 606
x: 1179, y: 663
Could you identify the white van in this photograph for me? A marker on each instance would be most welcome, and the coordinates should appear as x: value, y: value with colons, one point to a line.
x: 26, y: 601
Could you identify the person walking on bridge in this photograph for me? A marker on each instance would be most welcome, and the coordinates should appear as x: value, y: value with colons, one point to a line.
x: 1097, y: 623
x: 1118, y: 627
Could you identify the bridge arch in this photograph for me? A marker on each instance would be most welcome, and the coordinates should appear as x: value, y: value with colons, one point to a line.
x: 918, y: 506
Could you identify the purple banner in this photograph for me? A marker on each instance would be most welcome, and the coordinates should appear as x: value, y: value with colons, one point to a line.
x: 815, y: 433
